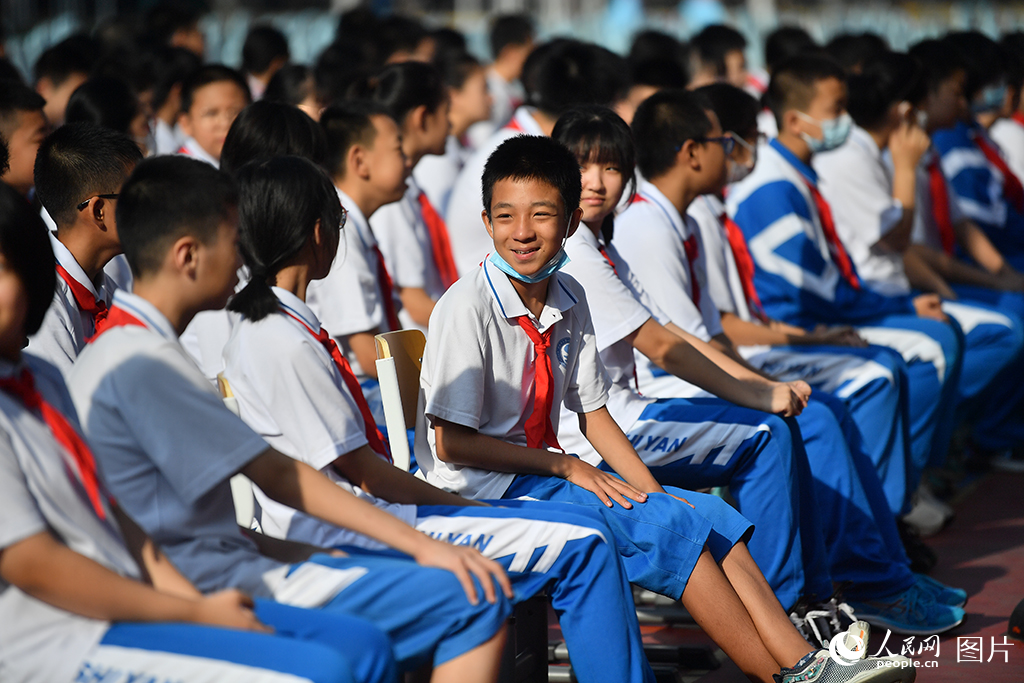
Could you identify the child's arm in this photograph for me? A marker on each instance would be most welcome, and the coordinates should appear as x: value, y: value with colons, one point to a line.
x: 365, y: 350
x: 463, y: 445
x: 417, y: 304
x: 777, y: 333
x: 156, y: 567
x: 46, y: 569
x: 977, y: 244
x: 298, y: 485
x: 368, y: 471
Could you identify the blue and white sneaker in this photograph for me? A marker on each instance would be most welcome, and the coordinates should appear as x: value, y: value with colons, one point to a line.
x: 940, y: 592
x: 822, y: 667
x: 912, y: 612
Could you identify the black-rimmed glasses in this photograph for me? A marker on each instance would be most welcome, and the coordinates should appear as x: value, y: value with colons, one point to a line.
x: 81, y: 207
x: 728, y: 143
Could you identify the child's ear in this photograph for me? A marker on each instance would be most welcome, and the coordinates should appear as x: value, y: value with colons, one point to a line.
x: 357, y: 162
x: 574, y: 222
x: 688, y: 155
x: 100, y: 214
x: 185, y: 122
x: 487, y: 223
x: 419, y: 118
x: 184, y: 255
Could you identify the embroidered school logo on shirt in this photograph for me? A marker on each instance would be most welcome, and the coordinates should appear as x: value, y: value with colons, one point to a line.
x: 562, y: 351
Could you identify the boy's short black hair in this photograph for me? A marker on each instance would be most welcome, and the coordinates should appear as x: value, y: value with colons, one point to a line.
x: 166, y: 198
x: 171, y: 67
x: 262, y: 46
x: 534, y: 157
x: 510, y: 29
x: 345, y: 125
x: 940, y: 60
x: 735, y: 108
x: 397, y: 33
x: 103, y: 101
x: 985, y: 62
x: 5, y: 156
x: 785, y: 42
x: 662, y: 123
x: 16, y: 97
x: 75, y: 54
x: 167, y: 18
x: 211, y: 73
x: 651, y: 44
x: 852, y: 50
x: 77, y: 161
x: 794, y: 82
x: 712, y: 44
x: 563, y: 74
x: 270, y: 129
x: 25, y: 244
x: 9, y: 72
x: 885, y: 80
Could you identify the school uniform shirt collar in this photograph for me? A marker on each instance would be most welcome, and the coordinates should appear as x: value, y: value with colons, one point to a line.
x: 193, y: 149
x: 559, y: 299
x: 523, y: 116
x: 651, y: 193
x: 357, y: 221
x: 586, y: 235
x: 67, y: 260
x: 146, y: 312
x: 806, y: 171
x: 714, y: 204
x: 297, y: 307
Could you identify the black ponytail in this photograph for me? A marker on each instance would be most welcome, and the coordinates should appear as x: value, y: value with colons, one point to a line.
x: 281, y: 199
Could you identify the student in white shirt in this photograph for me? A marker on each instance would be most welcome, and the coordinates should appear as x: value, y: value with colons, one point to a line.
x: 79, y: 171
x: 511, y: 41
x: 514, y: 340
x: 167, y: 446
x: 559, y: 75
x: 305, y: 401
x: 874, y: 204
x: 171, y: 66
x: 470, y: 103
x: 211, y: 98
x: 84, y: 593
x: 411, y: 233
x: 262, y: 130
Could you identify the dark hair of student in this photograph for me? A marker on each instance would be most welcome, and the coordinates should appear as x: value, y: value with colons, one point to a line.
x: 280, y: 202
x: 345, y: 125
x: 5, y: 156
x: 785, y: 42
x: 651, y: 45
x: 658, y: 73
x: 852, y: 50
x: 397, y: 33
x: 563, y: 74
x: 984, y: 60
x: 103, y: 101
x: 534, y: 157
x: 713, y: 43
x: 510, y: 29
x: 1012, y: 45
x: 74, y: 55
x: 456, y: 68
x: 171, y: 67
x: 291, y: 84
x: 662, y: 123
x: 735, y: 108
x: 448, y: 43
x: 166, y: 198
x: 211, y: 73
x: 794, y: 82
x: 401, y: 88
x: 78, y: 161
x: 940, y: 61
x: 16, y: 97
x: 262, y: 46
x: 884, y: 81
x: 167, y: 18
x: 599, y: 135
x: 270, y: 129
x: 25, y: 243
x: 9, y: 72
x: 335, y: 71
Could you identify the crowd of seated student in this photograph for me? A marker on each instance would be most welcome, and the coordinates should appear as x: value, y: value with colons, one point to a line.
x: 798, y: 297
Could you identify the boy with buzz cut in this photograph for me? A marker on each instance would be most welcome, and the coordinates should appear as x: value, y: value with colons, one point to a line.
x: 166, y: 447
x: 79, y: 171
x: 23, y: 127
x: 211, y: 99
x: 509, y: 343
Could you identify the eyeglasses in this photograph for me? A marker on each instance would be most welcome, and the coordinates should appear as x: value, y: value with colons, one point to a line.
x: 761, y: 139
x: 728, y: 144
x: 81, y: 207
x: 344, y: 218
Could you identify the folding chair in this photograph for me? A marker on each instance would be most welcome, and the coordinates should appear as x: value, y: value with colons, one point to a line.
x: 399, y: 360
x: 241, y: 487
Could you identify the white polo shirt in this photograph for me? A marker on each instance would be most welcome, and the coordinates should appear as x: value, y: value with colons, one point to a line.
x: 470, y: 241
x: 190, y: 148
x: 1009, y: 135
x: 166, y: 446
x: 40, y: 642
x: 619, y: 313
x: 725, y: 287
x: 66, y: 327
x: 290, y: 392
x: 857, y: 184
x: 478, y: 369
x: 408, y: 250
x: 349, y: 299
x: 926, y: 230
x: 436, y: 173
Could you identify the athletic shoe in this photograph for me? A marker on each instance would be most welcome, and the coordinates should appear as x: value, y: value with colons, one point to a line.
x: 912, y: 612
x: 925, y: 518
x: 926, y: 495
x: 940, y: 592
x: 821, y: 667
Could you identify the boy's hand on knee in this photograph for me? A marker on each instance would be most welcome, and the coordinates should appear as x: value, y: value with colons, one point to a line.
x: 788, y: 398
x: 231, y: 609
x: 930, y: 306
x: 465, y: 563
x: 605, y: 486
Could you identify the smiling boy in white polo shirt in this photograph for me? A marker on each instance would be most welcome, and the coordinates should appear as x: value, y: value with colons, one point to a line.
x: 513, y: 340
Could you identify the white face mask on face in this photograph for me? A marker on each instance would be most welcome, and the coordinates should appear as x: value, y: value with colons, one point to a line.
x: 738, y: 171
x: 833, y: 132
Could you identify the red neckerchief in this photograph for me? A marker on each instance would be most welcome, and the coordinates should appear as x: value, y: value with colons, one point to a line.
x: 23, y: 388
x: 116, y: 317
x: 387, y: 291
x: 835, y: 245
x: 96, y: 308
x: 539, y: 429
x: 744, y: 265
x: 940, y: 206
x: 1012, y: 188
x: 440, y: 243
x: 373, y: 436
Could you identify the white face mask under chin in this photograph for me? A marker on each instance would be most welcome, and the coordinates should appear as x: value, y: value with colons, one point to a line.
x: 738, y: 172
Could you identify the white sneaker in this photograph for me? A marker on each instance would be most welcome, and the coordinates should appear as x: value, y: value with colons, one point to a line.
x: 925, y: 493
x: 926, y: 519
